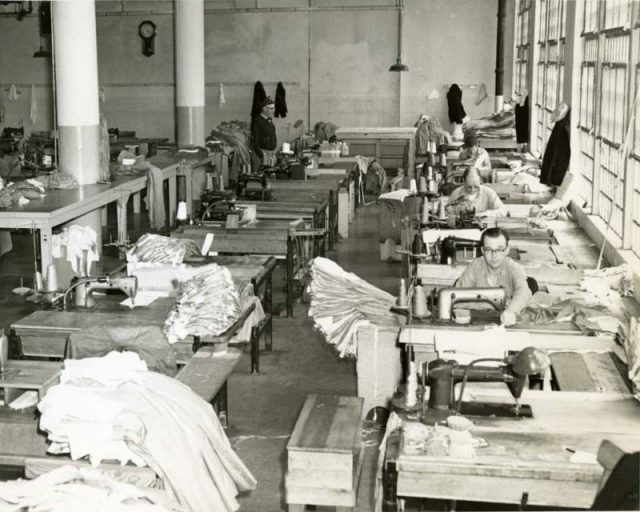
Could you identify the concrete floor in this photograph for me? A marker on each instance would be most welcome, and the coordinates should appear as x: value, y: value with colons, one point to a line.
x: 262, y: 408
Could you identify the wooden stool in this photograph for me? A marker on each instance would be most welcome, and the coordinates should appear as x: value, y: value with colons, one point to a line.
x: 325, y: 454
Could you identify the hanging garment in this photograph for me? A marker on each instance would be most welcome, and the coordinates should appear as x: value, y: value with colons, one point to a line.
x: 221, y: 98
x: 281, y: 102
x: 522, y: 122
x: 259, y: 95
x: 13, y: 93
x: 155, y: 197
x: 557, y: 154
x: 454, y: 101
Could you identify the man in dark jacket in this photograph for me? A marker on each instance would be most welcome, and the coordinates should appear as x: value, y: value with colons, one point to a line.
x: 263, y: 137
x: 557, y: 154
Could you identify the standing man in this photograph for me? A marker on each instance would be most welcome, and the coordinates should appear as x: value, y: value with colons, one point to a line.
x: 263, y: 137
x: 494, y: 269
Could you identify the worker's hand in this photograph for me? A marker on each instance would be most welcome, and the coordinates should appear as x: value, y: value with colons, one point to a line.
x: 508, y: 318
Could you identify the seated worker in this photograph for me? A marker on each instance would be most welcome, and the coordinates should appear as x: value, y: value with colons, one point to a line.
x: 474, y: 195
x: 476, y: 156
x: 263, y: 137
x: 494, y: 269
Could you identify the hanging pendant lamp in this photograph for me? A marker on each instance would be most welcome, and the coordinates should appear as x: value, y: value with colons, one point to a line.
x: 399, y: 66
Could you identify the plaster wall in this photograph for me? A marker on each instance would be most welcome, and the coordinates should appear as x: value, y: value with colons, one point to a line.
x: 332, y: 61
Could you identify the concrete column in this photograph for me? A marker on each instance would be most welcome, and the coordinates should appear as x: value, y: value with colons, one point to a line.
x: 499, y: 98
x: 190, y: 72
x: 76, y: 74
x: 76, y: 78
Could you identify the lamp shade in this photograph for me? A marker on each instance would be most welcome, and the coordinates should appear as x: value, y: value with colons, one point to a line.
x: 530, y: 361
x: 399, y: 66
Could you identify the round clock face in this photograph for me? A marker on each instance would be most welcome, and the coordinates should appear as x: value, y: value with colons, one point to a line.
x: 147, y: 29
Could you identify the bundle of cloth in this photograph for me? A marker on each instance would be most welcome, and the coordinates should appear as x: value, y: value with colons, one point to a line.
x: 429, y: 130
x: 496, y: 126
x: 71, y: 488
x: 114, y: 408
x: 324, y: 131
x: 236, y: 134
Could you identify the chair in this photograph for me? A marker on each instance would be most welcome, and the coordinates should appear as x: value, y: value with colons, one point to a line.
x: 620, y: 481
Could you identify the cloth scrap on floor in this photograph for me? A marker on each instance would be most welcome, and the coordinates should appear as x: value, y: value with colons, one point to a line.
x: 69, y: 488
x: 160, y: 422
x: 155, y: 197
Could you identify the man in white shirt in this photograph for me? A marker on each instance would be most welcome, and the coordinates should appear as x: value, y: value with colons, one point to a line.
x: 473, y: 195
x: 494, y: 269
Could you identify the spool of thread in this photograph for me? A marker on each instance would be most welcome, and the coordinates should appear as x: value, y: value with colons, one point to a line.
x: 419, y: 303
x: 402, y: 294
x: 52, y: 278
x: 442, y: 213
x: 424, y: 218
x: 38, y: 283
x: 423, y: 185
x: 413, y: 186
x: 443, y: 159
x: 182, y: 211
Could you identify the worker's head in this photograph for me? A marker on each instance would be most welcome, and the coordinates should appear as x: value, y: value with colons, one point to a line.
x: 495, y: 245
x: 471, y: 182
x: 470, y: 140
x: 267, y: 108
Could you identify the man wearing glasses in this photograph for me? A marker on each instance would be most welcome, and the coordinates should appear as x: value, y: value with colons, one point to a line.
x: 494, y: 269
x: 472, y: 195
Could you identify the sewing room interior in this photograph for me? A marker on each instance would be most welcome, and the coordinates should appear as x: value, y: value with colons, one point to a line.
x: 295, y: 255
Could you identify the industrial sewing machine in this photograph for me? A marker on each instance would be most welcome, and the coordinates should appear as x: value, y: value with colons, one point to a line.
x: 258, y: 185
x: 449, y: 297
x: 441, y: 377
x: 83, y: 288
x: 217, y: 205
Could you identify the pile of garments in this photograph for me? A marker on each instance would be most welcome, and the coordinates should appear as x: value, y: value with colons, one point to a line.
x: 207, y: 305
x: 429, y: 130
x: 114, y: 408
x: 496, y: 126
x: 151, y: 248
x: 70, y: 488
x: 339, y: 315
x: 236, y: 134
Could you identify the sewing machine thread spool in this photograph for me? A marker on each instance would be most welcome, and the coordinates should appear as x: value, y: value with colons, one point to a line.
x: 424, y: 218
x: 402, y: 294
x: 423, y: 185
x: 419, y: 302
x: 38, y: 283
x: 443, y: 212
x: 412, y: 386
x: 413, y: 186
x: 182, y: 211
x: 52, y: 278
x: 443, y: 159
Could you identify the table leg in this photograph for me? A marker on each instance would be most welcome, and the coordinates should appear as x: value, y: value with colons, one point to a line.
x: 46, y: 257
x: 103, y: 215
x: 188, y: 189
x: 255, y: 351
x: 268, y: 293
x: 223, y: 405
x: 136, y: 203
x: 121, y: 206
x: 172, y: 199
x: 289, y: 276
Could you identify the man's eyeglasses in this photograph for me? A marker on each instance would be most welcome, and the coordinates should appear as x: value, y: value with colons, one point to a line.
x: 494, y: 252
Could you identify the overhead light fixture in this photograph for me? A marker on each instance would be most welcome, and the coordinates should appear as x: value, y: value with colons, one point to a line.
x: 44, y: 28
x: 399, y: 66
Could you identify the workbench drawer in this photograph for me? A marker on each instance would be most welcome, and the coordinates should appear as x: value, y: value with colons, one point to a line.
x: 35, y: 343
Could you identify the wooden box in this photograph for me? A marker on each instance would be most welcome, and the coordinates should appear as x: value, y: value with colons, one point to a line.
x: 324, y: 452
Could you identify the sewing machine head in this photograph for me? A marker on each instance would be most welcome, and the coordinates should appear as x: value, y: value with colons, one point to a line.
x: 257, y: 185
x: 85, y: 286
x: 449, y: 297
x: 217, y: 205
x: 442, y: 376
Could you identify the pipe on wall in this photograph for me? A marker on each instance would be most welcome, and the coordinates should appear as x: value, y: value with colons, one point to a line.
x: 502, y: 14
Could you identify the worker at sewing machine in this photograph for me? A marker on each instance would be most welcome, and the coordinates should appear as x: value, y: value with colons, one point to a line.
x: 476, y: 157
x: 472, y: 195
x: 263, y: 137
x: 494, y: 269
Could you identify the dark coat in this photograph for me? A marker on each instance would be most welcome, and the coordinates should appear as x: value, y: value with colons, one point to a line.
x: 263, y: 135
x: 522, y: 122
x: 454, y: 99
x: 259, y: 95
x: 281, y: 102
x: 557, y: 154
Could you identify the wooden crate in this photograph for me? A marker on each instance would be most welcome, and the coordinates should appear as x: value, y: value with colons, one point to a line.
x: 325, y: 453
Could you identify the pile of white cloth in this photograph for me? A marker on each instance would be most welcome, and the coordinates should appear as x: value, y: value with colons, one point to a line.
x: 69, y: 488
x: 207, y: 305
x: 341, y: 302
x: 78, y: 241
x: 113, y: 408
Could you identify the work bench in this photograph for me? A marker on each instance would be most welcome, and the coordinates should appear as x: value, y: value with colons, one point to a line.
x: 290, y: 241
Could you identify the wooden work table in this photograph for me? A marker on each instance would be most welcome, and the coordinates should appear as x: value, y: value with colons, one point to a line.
x: 525, y: 461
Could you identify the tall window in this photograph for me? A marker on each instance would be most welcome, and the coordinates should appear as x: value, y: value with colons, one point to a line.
x: 550, y: 66
x: 521, y: 68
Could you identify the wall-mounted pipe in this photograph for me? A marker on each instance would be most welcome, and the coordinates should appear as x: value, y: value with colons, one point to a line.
x: 502, y: 14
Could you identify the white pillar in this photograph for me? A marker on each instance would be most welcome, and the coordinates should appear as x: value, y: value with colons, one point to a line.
x: 76, y: 74
x: 190, y: 83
